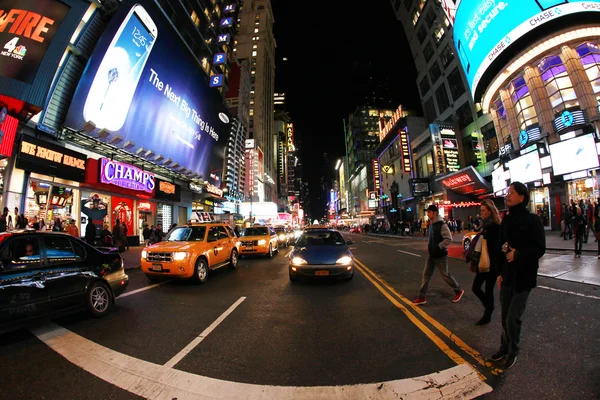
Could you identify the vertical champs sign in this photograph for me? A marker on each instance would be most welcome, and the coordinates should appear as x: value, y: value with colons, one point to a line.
x: 376, y: 176
x: 405, y: 149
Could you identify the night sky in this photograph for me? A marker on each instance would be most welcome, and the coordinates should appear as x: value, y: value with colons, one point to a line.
x: 338, y: 53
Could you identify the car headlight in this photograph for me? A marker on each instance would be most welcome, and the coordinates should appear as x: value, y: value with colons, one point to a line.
x: 179, y: 255
x: 344, y: 260
x: 262, y: 242
x: 144, y: 254
x: 281, y: 237
x: 298, y: 261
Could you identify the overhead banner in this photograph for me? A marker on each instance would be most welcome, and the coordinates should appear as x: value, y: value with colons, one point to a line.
x: 142, y: 85
x: 465, y: 181
x: 484, y: 29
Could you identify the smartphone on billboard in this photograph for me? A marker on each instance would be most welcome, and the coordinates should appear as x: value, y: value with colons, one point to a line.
x: 546, y: 4
x: 118, y: 75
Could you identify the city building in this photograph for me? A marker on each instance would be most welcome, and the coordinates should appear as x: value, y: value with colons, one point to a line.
x: 279, y: 99
x: 285, y: 147
x: 255, y: 41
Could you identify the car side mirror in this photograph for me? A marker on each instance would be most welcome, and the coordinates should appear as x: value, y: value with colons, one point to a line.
x: 349, y: 242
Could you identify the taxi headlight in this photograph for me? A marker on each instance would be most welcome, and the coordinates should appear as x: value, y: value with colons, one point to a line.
x: 144, y: 254
x: 344, y: 260
x: 179, y: 255
x: 298, y: 261
x: 281, y: 237
x: 262, y: 242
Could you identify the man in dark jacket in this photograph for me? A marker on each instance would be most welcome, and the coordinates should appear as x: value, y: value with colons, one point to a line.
x: 524, y: 243
x: 437, y: 246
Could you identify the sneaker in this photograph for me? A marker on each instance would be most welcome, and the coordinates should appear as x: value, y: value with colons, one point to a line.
x: 419, y: 301
x: 458, y: 296
x: 510, y: 361
x: 498, y: 356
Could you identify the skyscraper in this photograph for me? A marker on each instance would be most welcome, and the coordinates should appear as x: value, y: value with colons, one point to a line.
x: 255, y: 41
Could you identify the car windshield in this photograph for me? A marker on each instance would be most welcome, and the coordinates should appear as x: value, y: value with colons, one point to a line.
x: 186, y: 233
x: 320, y: 238
x: 279, y: 230
x: 260, y: 231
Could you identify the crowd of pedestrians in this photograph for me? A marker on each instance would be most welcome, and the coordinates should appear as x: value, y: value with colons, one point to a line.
x: 577, y: 220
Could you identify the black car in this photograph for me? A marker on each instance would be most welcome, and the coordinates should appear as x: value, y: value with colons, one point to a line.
x: 45, y: 274
x: 283, y: 239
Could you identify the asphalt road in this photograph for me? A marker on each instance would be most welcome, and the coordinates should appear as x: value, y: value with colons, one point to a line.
x: 253, y: 326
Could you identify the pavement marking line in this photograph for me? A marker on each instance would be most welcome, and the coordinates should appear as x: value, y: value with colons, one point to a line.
x: 157, y: 382
x: 408, y: 252
x: 428, y: 332
x: 136, y: 291
x: 587, y: 296
x: 462, y: 345
x: 179, y: 356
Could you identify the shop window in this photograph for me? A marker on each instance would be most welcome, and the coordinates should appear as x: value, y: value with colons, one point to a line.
x: 441, y: 95
x: 457, y: 88
x: 446, y: 56
x: 558, y: 84
x: 428, y: 51
x: 435, y: 71
x: 589, y: 54
x: 526, y: 114
x: 424, y: 85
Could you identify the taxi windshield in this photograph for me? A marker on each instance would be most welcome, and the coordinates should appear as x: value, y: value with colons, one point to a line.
x: 186, y: 233
x: 260, y: 231
x: 320, y: 238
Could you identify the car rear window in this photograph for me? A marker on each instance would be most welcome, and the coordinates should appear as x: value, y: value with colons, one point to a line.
x: 320, y: 238
x: 186, y: 234
x: 256, y: 231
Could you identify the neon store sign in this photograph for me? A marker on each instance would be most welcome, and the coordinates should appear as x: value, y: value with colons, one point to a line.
x: 126, y: 176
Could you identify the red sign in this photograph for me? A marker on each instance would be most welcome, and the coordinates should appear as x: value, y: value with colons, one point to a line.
x: 390, y: 124
x: 465, y: 181
x: 8, y: 132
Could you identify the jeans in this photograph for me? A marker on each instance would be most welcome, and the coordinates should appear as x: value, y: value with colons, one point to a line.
x: 442, y: 264
x: 513, y: 306
x: 578, y: 243
x: 487, y: 297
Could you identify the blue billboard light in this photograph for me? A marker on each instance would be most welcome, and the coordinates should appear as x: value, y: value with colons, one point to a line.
x: 229, y: 8
x: 227, y: 21
x: 223, y: 38
x: 484, y: 29
x: 216, y: 80
x: 219, y: 58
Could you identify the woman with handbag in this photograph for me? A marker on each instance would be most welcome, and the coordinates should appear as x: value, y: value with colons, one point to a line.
x: 485, y: 260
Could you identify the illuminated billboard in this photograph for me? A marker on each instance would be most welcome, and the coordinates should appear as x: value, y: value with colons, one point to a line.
x: 573, y: 155
x: 143, y: 88
x: 484, y: 29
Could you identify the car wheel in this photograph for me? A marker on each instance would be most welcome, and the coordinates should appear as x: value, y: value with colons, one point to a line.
x: 293, y: 278
x: 233, y: 260
x: 270, y: 250
x: 99, y: 299
x: 351, y: 276
x: 201, y: 271
x: 466, y: 244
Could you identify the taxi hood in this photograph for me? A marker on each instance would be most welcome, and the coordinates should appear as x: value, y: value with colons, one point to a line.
x: 171, y: 246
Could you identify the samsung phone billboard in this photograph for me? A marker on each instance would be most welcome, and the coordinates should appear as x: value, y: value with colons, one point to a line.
x: 142, y: 84
x: 484, y: 29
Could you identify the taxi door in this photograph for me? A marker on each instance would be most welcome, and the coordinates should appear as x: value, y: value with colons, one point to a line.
x: 214, y: 247
x: 225, y: 243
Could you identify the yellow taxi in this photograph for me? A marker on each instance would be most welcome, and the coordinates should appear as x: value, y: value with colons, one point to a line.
x: 192, y: 251
x: 259, y: 240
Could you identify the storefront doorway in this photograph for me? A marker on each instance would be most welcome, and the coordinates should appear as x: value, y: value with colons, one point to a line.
x: 55, y: 206
x: 539, y: 204
x: 583, y: 189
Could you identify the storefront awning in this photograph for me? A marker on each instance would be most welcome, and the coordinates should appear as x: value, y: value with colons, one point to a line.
x: 465, y: 181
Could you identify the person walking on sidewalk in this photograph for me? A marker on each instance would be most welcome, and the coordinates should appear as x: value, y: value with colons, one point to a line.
x: 490, y: 231
x: 597, y: 225
x: 579, y: 224
x: 437, y: 246
x: 524, y: 243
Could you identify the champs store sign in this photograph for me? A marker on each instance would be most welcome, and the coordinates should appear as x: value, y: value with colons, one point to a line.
x: 126, y: 176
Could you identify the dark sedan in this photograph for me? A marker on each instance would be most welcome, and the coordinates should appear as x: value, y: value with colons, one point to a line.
x: 321, y: 253
x: 44, y: 274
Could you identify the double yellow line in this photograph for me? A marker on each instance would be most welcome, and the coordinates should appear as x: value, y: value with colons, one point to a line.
x: 411, y: 311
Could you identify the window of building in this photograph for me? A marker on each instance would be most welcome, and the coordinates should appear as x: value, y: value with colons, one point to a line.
x: 589, y: 54
x: 435, y: 71
x: 251, y: 112
x: 558, y: 84
x: 206, y: 64
x: 526, y: 114
x: 255, y: 30
x: 429, y: 108
x: 464, y: 115
x: 500, y: 111
x: 408, y: 4
x: 425, y: 166
x: 428, y: 51
x: 254, y: 53
x: 416, y: 16
x: 424, y: 85
x: 446, y: 56
x: 441, y: 95
x: 195, y: 19
x: 490, y: 140
x: 422, y: 33
x: 255, y: 37
x: 430, y: 17
x: 457, y: 88
x: 255, y: 46
x: 421, y: 4
x: 438, y: 34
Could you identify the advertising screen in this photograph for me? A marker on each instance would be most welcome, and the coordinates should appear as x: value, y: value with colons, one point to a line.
x: 142, y: 85
x: 499, y: 179
x: 526, y: 168
x: 484, y: 29
x: 27, y: 28
x: 573, y: 155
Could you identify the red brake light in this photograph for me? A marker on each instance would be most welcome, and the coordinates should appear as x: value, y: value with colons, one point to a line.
x: 4, y: 235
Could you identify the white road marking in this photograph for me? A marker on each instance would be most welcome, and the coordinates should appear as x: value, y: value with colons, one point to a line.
x: 588, y: 296
x: 154, y: 381
x: 179, y: 356
x: 142, y: 289
x: 408, y: 252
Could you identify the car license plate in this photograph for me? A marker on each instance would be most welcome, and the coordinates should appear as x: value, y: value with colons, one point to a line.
x: 321, y: 273
x: 157, y: 267
x: 249, y: 247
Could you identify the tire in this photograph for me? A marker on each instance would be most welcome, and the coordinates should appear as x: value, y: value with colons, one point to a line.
x: 466, y: 245
x: 99, y: 299
x: 293, y: 278
x: 233, y: 259
x: 351, y: 276
x: 271, y: 252
x: 201, y: 271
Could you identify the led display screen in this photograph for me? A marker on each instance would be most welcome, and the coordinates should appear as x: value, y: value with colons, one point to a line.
x: 484, y: 29
x: 143, y: 87
x: 574, y: 155
x: 526, y: 168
